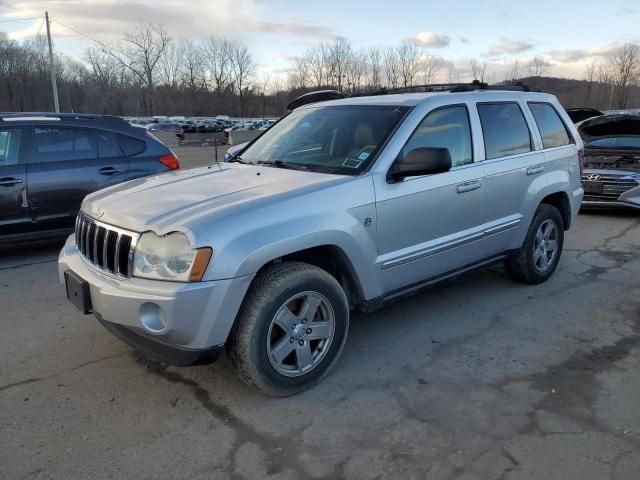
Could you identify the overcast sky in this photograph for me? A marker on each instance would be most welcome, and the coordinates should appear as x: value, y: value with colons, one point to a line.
x: 567, y: 33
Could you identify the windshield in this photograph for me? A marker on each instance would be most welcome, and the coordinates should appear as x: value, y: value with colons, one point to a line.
x: 340, y: 139
x: 626, y: 143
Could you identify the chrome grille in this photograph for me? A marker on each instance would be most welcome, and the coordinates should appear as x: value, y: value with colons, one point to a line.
x: 106, y: 247
x: 612, y: 186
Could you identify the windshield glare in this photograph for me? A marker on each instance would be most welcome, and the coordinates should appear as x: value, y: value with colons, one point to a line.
x: 339, y: 139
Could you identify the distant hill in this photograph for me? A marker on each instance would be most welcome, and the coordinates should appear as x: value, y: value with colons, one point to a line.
x: 578, y: 93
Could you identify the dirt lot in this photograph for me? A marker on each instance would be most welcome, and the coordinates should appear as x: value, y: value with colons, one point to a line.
x: 478, y: 378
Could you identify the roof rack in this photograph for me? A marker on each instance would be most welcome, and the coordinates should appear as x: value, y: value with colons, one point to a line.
x: 450, y: 87
x: 63, y: 117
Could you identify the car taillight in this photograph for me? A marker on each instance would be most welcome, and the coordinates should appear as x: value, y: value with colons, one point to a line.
x: 581, y: 160
x: 170, y: 161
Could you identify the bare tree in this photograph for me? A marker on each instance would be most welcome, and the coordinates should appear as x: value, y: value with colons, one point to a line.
x: 391, y: 67
x: 140, y: 52
x: 242, y: 67
x: 374, y: 64
x: 430, y: 68
x: 192, y: 70
x: 339, y: 56
x: 626, y: 65
x: 478, y: 69
x: 408, y: 62
x: 590, y: 76
x: 217, y: 53
x: 170, y: 64
x: 514, y: 74
x: 538, y: 66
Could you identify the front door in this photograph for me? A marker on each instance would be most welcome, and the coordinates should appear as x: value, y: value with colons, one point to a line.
x: 432, y: 224
x: 14, y: 211
x: 65, y: 165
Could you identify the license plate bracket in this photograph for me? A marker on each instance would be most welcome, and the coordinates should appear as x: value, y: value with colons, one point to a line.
x: 78, y: 292
x: 592, y: 187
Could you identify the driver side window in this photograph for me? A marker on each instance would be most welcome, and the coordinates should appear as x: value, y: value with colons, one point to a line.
x: 445, y: 128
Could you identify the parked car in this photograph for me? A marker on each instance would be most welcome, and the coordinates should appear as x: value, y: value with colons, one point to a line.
x: 611, y: 177
x: 50, y: 162
x: 188, y: 126
x: 233, y: 151
x: 577, y: 115
x: 237, y: 126
x: 206, y: 126
x: 167, y: 127
x: 342, y: 205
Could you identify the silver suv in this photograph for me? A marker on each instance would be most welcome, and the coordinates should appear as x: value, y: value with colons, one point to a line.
x: 341, y: 205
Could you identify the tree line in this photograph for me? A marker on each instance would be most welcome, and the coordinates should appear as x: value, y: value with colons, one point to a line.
x: 148, y: 72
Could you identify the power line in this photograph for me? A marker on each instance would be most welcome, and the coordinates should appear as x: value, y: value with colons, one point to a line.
x: 41, y: 25
x: 20, y: 19
x: 79, y: 33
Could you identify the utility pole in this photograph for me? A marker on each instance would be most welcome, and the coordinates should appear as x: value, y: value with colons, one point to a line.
x: 51, y: 67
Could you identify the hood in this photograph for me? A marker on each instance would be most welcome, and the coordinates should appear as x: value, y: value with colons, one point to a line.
x: 179, y: 200
x: 577, y: 115
x: 609, y: 125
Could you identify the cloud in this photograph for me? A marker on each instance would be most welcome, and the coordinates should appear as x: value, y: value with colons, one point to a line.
x: 623, y: 12
x: 580, y: 54
x: 464, y: 40
x: 430, y: 39
x: 508, y: 46
x: 108, y: 19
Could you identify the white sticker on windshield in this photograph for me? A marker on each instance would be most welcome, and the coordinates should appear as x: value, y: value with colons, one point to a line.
x: 352, y: 163
x: 363, y: 156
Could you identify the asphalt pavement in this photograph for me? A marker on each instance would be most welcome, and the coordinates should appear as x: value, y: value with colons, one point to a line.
x: 477, y: 378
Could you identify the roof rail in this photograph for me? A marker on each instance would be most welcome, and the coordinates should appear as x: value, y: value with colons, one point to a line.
x: 68, y: 117
x: 449, y: 87
x: 315, y: 96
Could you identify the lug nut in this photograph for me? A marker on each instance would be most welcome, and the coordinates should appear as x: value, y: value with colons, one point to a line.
x: 301, y: 343
x: 304, y: 320
x: 291, y: 339
x: 308, y: 331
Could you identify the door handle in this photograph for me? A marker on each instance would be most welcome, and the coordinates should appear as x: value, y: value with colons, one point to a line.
x: 535, y: 170
x: 468, y: 186
x: 9, y: 181
x: 108, y: 171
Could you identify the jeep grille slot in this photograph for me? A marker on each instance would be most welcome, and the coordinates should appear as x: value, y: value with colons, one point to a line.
x: 108, y: 248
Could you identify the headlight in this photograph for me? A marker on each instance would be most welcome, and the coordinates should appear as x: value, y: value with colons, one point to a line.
x: 227, y: 156
x: 169, y: 257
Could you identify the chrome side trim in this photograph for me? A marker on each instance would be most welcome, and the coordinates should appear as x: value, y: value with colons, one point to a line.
x: 450, y: 245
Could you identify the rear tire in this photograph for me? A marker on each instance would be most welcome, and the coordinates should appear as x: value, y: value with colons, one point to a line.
x: 290, y: 330
x: 539, y: 255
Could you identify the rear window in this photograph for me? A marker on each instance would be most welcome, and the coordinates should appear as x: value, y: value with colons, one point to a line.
x: 53, y: 144
x: 505, y: 129
x: 131, y: 146
x: 552, y: 129
x: 107, y: 145
x: 9, y: 146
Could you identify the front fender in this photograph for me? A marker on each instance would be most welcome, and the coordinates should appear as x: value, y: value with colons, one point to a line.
x: 248, y: 252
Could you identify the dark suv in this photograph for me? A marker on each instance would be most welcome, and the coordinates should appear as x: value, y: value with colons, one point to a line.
x: 50, y: 162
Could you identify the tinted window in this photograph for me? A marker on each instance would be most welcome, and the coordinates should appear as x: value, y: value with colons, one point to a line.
x: 131, y: 146
x: 332, y: 139
x: 60, y: 144
x: 107, y: 145
x: 552, y: 130
x: 445, y: 128
x: 505, y: 129
x: 9, y: 146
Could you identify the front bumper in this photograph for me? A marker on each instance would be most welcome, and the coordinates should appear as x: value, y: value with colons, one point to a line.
x: 172, y: 320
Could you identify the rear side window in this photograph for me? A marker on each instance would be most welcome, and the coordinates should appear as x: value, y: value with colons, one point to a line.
x: 505, y: 129
x: 131, y: 146
x: 445, y: 128
x: 552, y: 129
x: 107, y: 145
x: 9, y: 146
x: 53, y: 144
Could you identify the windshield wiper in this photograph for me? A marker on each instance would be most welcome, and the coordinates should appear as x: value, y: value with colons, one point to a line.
x: 239, y: 159
x: 281, y: 164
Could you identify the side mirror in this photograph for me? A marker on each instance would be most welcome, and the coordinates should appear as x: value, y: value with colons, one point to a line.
x: 420, y: 161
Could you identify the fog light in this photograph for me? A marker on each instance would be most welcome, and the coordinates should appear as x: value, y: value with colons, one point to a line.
x: 152, y: 318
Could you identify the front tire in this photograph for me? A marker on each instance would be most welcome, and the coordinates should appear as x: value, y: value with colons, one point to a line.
x: 539, y: 256
x: 290, y: 330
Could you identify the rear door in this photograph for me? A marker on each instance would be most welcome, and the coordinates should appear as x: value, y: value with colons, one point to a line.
x: 514, y: 164
x: 14, y: 213
x: 65, y: 164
